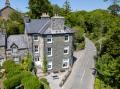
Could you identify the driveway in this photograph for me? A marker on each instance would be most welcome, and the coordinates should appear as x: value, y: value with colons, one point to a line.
x: 81, y: 76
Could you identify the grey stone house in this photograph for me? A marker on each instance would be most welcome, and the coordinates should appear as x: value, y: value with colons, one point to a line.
x: 17, y: 47
x: 49, y: 38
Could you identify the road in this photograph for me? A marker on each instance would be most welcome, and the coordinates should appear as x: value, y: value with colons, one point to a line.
x: 81, y: 76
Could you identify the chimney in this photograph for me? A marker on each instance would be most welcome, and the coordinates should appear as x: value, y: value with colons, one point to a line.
x: 57, y: 22
x: 45, y: 16
x: 27, y: 19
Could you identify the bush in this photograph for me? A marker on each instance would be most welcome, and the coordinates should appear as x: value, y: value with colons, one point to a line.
x: 31, y: 82
x: 11, y: 83
x: 99, y: 84
x: 44, y: 81
x: 27, y: 63
x: 44, y: 65
x: 45, y: 84
x: 11, y: 68
x: 17, y: 76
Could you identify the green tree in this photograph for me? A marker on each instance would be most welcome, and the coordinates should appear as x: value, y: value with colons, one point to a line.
x: 67, y: 7
x: 37, y: 7
x: 114, y: 8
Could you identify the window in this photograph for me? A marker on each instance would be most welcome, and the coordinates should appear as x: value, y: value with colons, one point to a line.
x: 65, y: 63
x: 66, y: 50
x: 16, y: 59
x: 66, y: 38
x: 49, y: 39
x: 14, y: 50
x: 36, y: 59
x: 49, y: 52
x: 36, y: 49
x: 35, y: 37
x: 49, y: 65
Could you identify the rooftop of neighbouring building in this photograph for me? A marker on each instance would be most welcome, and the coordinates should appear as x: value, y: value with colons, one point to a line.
x: 19, y: 40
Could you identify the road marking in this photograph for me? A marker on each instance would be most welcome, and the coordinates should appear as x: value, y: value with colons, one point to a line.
x: 83, y: 75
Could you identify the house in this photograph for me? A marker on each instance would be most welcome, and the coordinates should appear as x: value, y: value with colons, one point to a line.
x: 17, y: 47
x: 49, y: 38
x: 46, y: 38
x: 6, y: 11
x: 2, y: 47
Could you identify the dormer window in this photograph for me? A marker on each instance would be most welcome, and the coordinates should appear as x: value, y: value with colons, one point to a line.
x: 35, y: 37
x: 66, y: 38
x: 14, y: 49
x: 49, y: 39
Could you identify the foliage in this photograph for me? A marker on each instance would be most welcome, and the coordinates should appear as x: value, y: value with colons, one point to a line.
x: 44, y: 65
x: 31, y: 82
x: 45, y: 84
x: 67, y: 7
x: 114, y: 8
x: 103, y: 28
x: 79, y: 39
x: 27, y: 63
x: 37, y: 7
x: 11, y: 68
x: 11, y: 83
x: 15, y: 24
x: 100, y: 84
x: 17, y: 76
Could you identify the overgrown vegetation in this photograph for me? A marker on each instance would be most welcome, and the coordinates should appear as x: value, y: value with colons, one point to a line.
x: 45, y: 67
x: 21, y: 75
x: 14, y: 25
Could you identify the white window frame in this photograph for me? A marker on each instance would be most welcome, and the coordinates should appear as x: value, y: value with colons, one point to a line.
x: 16, y: 60
x: 66, y: 48
x: 34, y: 37
x: 49, y: 64
x: 65, y: 37
x: 49, y: 37
x: 34, y: 49
x: 65, y: 61
x: 48, y: 51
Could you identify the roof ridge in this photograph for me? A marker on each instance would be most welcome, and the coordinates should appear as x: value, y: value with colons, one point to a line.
x: 44, y: 26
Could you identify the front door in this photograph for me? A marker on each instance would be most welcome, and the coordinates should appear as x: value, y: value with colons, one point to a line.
x: 37, y: 61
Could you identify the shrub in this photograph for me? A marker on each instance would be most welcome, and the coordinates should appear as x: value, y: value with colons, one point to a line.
x: 45, y: 84
x: 27, y: 63
x: 11, y: 83
x: 44, y: 65
x: 11, y: 68
x: 31, y: 82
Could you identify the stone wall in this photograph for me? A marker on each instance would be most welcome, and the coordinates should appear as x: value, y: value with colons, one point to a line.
x: 58, y: 51
x: 21, y: 54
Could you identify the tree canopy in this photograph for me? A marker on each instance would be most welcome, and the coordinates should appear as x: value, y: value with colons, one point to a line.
x: 37, y: 7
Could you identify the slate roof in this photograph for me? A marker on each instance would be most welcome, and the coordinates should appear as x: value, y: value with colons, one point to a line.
x: 2, y: 39
x: 6, y: 7
x: 19, y: 40
x: 36, y: 25
x: 43, y: 26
